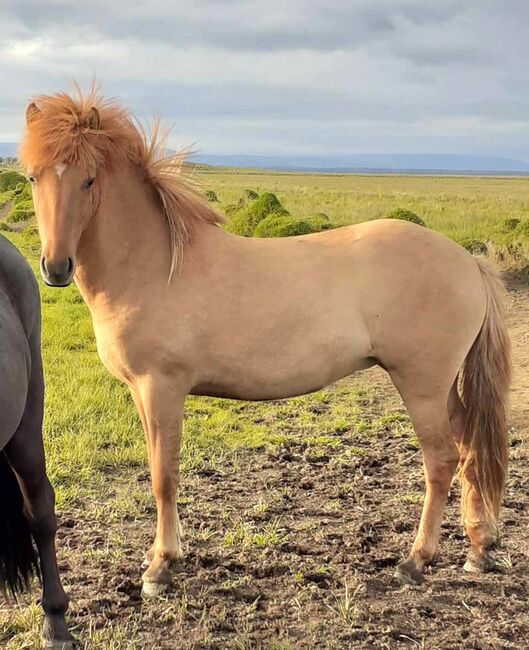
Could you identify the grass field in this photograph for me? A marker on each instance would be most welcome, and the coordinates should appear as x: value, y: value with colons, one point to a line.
x: 94, y: 438
x: 460, y: 207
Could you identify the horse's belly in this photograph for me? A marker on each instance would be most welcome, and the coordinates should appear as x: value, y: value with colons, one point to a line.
x: 271, y: 390
x: 274, y: 374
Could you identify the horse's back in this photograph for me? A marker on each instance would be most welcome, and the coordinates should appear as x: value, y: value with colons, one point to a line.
x: 19, y: 329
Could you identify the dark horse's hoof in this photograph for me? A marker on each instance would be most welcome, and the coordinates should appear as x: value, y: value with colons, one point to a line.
x: 53, y: 629
x: 54, y: 644
x: 407, y: 573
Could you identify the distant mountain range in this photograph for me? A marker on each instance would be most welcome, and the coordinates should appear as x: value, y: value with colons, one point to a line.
x: 8, y: 149
x: 375, y: 163
x: 359, y: 163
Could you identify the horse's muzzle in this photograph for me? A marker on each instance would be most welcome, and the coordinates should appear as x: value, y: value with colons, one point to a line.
x: 57, y: 273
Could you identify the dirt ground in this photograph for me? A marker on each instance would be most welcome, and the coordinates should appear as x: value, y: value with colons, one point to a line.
x: 310, y: 562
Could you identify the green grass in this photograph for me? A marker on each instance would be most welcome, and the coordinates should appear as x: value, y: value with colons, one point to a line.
x: 460, y: 207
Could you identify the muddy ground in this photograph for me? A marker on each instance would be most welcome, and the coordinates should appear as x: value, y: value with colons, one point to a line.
x: 296, y: 548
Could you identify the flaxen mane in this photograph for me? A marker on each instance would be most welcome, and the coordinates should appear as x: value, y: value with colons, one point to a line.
x: 60, y: 132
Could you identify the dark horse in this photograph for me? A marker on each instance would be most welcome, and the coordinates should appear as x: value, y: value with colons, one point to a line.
x: 27, y: 499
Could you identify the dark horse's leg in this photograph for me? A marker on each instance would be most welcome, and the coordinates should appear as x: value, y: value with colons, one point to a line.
x: 25, y: 453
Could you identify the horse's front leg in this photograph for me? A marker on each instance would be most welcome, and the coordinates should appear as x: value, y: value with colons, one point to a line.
x: 149, y: 554
x: 162, y: 400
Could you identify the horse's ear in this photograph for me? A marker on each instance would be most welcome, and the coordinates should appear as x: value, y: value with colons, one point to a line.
x: 32, y: 112
x: 93, y: 119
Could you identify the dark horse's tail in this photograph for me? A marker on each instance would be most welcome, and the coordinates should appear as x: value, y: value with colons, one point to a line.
x: 18, y: 558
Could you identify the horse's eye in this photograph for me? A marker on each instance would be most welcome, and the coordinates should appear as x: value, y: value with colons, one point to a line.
x: 88, y: 183
x: 32, y: 179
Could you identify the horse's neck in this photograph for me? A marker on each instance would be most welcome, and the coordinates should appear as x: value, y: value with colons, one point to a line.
x: 126, y: 241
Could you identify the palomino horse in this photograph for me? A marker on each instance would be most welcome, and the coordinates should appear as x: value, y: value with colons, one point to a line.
x: 27, y: 498
x: 182, y: 307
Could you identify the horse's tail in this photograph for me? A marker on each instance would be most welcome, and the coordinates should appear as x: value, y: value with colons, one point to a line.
x: 18, y: 558
x: 486, y: 381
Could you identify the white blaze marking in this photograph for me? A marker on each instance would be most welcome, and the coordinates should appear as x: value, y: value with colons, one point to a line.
x: 59, y: 168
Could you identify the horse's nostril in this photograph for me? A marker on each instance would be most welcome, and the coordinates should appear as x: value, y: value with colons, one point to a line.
x: 70, y: 265
x: 43, y: 267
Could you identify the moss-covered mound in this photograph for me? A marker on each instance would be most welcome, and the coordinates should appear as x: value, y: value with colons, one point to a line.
x: 10, y: 179
x: 230, y: 209
x: 508, y: 244
x: 318, y: 222
x: 23, y: 195
x: 281, y: 226
x: 19, y: 196
x: 244, y: 221
x: 509, y: 225
x: 241, y: 224
x: 211, y: 196
x: 475, y: 246
x: 522, y: 229
x: 5, y: 197
x: 265, y: 204
x: 22, y: 212
x: 406, y: 215
x: 262, y: 215
x: 249, y: 195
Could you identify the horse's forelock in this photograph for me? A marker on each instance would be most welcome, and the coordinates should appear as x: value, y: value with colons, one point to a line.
x: 60, y: 132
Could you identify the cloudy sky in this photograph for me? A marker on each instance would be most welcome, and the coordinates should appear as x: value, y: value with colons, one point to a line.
x: 286, y: 76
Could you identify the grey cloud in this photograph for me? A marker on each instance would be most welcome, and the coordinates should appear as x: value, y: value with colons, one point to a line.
x: 314, y: 25
x: 393, y: 71
x: 438, y: 55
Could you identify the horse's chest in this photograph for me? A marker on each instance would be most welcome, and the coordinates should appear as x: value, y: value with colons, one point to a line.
x: 114, y: 356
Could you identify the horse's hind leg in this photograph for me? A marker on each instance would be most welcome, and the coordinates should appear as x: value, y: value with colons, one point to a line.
x: 478, y: 525
x: 25, y: 453
x: 430, y: 420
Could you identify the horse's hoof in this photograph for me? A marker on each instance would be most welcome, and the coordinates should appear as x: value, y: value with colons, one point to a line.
x: 54, y: 644
x: 408, y: 575
x: 479, y: 564
x: 153, y: 589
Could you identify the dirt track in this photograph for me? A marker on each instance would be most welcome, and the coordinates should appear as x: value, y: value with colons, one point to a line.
x: 332, y: 527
